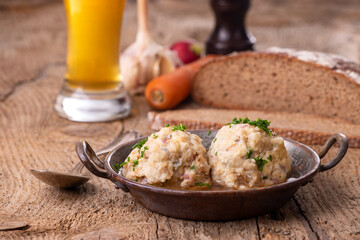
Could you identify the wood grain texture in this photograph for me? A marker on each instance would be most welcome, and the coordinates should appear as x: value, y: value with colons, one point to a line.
x: 32, y: 57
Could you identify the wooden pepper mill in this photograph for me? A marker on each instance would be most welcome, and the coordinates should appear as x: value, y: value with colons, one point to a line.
x: 229, y: 34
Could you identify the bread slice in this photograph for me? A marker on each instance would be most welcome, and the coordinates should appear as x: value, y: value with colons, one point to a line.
x: 278, y: 82
x: 304, y: 128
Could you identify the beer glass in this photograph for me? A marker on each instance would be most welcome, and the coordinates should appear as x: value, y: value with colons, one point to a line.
x: 92, y: 90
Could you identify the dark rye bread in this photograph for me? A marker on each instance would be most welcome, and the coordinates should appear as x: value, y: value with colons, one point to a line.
x: 308, y: 129
x: 278, y: 82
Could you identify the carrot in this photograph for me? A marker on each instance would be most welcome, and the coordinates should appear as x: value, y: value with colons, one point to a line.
x: 168, y: 90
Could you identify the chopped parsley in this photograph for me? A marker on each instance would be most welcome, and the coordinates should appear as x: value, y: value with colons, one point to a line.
x: 260, y: 123
x: 260, y: 162
x: 142, y: 152
x: 215, y: 140
x: 192, y: 167
x: 155, y: 136
x: 140, y: 144
x: 116, y: 166
x: 135, y: 163
x: 167, y: 125
x: 202, y: 184
x: 235, y: 121
x: 216, y: 154
x: 125, y: 162
x: 209, y: 132
x: 269, y: 158
x: 248, y: 154
x: 180, y: 127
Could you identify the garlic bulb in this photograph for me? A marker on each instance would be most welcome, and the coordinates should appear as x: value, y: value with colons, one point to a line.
x: 145, y: 59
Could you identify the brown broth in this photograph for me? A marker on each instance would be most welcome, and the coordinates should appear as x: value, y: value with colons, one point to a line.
x: 213, y: 187
x: 294, y: 174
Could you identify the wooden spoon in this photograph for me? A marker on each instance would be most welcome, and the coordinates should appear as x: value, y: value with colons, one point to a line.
x: 74, y: 177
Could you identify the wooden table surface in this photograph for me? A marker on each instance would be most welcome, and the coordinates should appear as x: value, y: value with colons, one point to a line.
x: 32, y: 66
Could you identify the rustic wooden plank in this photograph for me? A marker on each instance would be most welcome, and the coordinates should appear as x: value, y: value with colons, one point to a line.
x: 331, y: 202
x: 32, y: 53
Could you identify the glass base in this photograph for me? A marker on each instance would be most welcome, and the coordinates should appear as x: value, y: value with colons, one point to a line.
x: 93, y: 106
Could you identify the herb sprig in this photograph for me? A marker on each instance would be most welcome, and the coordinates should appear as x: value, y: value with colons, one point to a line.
x: 248, y: 154
x: 140, y: 144
x: 135, y: 163
x: 180, y: 127
x: 260, y: 123
x: 260, y: 162
x: 116, y: 166
x: 202, y: 184
x: 125, y: 162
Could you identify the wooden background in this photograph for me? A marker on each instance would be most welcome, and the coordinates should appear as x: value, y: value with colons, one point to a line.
x: 32, y: 65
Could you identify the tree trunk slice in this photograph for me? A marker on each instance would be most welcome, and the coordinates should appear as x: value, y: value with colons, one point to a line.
x: 32, y: 56
x: 9, y: 226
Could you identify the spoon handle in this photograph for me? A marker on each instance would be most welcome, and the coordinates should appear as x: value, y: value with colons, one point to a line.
x: 120, y: 139
x: 78, y: 167
x: 117, y: 141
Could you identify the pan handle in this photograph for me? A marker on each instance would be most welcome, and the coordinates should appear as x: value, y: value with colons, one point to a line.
x: 343, y: 143
x: 89, y: 158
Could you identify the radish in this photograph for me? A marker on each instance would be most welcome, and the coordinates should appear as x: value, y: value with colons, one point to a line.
x: 187, y: 50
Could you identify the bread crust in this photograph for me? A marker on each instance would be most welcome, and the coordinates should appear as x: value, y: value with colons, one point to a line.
x: 309, y: 137
x: 206, y: 100
x: 274, y: 55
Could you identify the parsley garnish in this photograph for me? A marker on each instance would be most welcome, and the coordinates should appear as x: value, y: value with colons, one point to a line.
x: 248, y: 154
x: 116, y: 166
x: 202, y: 184
x: 269, y: 158
x: 124, y: 163
x: 216, y: 154
x: 155, y: 136
x: 209, y: 132
x: 180, y: 127
x: 215, y: 140
x: 260, y: 163
x: 235, y: 121
x: 140, y: 144
x: 262, y: 124
x: 167, y: 125
x: 192, y: 167
x: 135, y: 163
x: 142, y: 152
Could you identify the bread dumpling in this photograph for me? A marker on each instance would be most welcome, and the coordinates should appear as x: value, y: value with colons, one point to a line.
x: 245, y: 156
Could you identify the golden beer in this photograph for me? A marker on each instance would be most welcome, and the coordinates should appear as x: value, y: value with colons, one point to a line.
x: 93, y: 43
x: 92, y: 90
